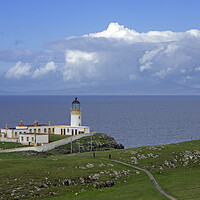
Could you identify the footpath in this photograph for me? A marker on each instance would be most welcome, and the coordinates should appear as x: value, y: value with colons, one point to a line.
x: 152, y: 179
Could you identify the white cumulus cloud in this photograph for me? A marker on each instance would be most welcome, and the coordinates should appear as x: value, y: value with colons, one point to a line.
x: 80, y: 65
x: 117, y: 31
x: 20, y: 69
x: 114, y: 56
x: 78, y: 57
x: 50, y: 66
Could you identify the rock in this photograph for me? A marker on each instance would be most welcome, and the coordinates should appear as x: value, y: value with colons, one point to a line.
x: 109, y: 183
x: 52, y: 193
x: 100, y: 185
x: 81, y: 180
x: 67, y: 182
x: 89, y: 165
x: 81, y: 167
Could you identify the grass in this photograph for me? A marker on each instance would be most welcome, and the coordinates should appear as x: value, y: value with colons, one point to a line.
x: 53, y: 138
x: 10, y: 145
x: 41, y: 176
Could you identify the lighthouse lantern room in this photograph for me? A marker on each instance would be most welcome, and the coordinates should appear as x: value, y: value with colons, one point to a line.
x: 76, y: 113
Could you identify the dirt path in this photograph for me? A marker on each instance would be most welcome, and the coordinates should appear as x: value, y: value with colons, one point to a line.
x: 152, y: 179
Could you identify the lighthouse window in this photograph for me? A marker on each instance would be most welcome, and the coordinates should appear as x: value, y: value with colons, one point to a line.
x: 79, y: 124
x: 79, y: 117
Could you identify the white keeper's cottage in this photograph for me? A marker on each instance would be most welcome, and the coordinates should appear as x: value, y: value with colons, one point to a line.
x: 38, y: 134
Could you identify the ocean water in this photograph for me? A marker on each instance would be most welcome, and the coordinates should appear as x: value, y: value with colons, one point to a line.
x: 131, y: 120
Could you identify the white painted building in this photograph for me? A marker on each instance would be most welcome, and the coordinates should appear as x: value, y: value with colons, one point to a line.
x: 39, y: 134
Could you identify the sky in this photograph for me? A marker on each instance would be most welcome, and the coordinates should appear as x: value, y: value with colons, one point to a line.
x: 107, y: 47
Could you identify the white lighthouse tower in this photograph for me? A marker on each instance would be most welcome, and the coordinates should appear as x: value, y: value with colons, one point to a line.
x: 76, y: 113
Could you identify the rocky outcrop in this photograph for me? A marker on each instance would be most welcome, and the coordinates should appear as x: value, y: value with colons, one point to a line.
x: 98, y: 141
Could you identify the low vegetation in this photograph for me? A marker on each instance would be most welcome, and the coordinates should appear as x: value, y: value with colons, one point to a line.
x: 54, y: 175
x: 97, y: 142
x: 10, y: 145
x: 53, y: 138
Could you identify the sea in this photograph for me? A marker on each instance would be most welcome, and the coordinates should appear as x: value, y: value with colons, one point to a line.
x: 132, y: 120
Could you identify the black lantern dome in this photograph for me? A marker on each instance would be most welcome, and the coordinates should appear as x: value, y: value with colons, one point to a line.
x: 76, y: 105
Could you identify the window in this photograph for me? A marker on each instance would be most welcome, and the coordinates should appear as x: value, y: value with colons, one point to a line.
x: 39, y: 130
x: 30, y: 130
x: 79, y: 124
x: 27, y: 139
x: 22, y: 139
x: 15, y: 134
x: 64, y: 131
x: 32, y: 139
x: 68, y: 130
x: 79, y: 117
x: 34, y: 130
x: 24, y: 132
x: 53, y: 130
x: 49, y: 131
x: 45, y: 130
x: 61, y: 131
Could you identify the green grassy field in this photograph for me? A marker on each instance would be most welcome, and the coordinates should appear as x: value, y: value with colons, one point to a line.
x: 53, y: 138
x: 10, y: 145
x: 176, y: 167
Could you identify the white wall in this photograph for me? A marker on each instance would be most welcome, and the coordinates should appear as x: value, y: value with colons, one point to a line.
x: 71, y: 129
x: 8, y: 132
x: 41, y: 129
x: 21, y: 127
x: 40, y: 139
x: 75, y: 120
x: 27, y: 138
x: 8, y: 140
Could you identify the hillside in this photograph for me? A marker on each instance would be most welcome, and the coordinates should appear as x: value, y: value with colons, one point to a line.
x: 55, y: 175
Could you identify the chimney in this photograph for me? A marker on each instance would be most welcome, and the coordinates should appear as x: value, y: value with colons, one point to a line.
x: 49, y: 122
x: 21, y: 123
x: 35, y: 123
x: 6, y: 126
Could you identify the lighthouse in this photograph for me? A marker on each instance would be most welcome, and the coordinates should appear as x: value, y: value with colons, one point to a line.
x: 76, y: 113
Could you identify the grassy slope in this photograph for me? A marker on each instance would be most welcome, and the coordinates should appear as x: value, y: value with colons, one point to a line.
x: 10, y: 145
x: 181, y: 181
x: 53, y: 138
x: 28, y: 172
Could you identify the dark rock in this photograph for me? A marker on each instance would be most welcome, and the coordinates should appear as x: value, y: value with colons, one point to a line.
x: 67, y: 182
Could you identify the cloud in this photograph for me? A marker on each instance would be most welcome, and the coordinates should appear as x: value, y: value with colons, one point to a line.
x: 117, y: 31
x: 78, y: 57
x: 49, y: 67
x: 18, y: 70
x: 163, y: 73
x: 79, y: 65
x: 197, y: 68
x: 112, y: 57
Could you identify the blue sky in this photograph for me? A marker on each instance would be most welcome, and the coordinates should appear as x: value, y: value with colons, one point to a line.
x: 99, y: 47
